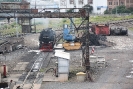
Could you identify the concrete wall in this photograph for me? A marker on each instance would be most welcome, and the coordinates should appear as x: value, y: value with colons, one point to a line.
x: 63, y: 77
x: 26, y: 29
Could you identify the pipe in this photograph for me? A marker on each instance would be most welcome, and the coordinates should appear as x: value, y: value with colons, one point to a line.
x: 4, y: 72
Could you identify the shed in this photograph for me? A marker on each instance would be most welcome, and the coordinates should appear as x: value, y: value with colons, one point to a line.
x: 63, y: 65
x: 63, y: 62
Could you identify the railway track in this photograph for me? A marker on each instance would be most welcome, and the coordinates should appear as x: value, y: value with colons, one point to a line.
x: 34, y: 77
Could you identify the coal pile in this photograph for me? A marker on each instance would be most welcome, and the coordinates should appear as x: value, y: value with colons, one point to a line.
x: 96, y: 40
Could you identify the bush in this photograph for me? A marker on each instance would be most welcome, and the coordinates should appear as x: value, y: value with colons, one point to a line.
x: 106, y: 12
x: 122, y: 9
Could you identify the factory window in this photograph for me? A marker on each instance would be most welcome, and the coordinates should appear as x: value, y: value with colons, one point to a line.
x: 90, y: 1
x: 131, y: 1
x: 81, y: 2
x: 110, y: 9
x: 122, y: 3
x: 71, y: 1
x: 127, y: 1
x: 98, y: 8
x: 110, y: 3
x: 63, y: 3
x: 116, y: 3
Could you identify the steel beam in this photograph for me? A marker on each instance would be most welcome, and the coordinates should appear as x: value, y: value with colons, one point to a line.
x: 30, y: 13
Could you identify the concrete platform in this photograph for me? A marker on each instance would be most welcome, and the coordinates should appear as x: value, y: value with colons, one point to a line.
x: 21, y: 66
x: 28, y: 86
x: 49, y: 78
x: 37, y: 86
x: 13, y: 77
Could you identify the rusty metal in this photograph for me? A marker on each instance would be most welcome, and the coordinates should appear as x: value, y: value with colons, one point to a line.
x: 15, y: 5
x: 32, y: 13
x: 85, y: 50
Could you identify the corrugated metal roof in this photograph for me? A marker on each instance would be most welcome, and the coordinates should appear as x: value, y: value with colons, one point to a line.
x: 62, y: 54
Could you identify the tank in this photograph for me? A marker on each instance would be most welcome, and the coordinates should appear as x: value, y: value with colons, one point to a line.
x: 124, y: 31
x: 71, y: 41
x: 117, y: 31
x: 101, y: 29
x: 67, y: 35
x: 47, y: 39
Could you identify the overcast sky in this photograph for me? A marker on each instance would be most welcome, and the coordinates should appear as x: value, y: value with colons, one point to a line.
x: 43, y: 2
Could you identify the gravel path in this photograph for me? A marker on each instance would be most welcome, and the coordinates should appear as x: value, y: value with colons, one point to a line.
x: 116, y: 74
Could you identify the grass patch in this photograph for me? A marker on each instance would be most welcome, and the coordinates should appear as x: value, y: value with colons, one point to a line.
x: 42, y: 70
x: 131, y: 29
x: 73, y: 72
x: 109, y: 18
x: 8, y: 29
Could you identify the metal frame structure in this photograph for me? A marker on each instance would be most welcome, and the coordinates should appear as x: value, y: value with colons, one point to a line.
x: 45, y: 13
x: 82, y: 13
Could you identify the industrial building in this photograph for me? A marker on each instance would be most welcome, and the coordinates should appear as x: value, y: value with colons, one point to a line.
x: 98, y: 7
x: 113, y: 3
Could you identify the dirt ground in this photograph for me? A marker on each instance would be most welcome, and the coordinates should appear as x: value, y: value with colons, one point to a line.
x: 117, y: 73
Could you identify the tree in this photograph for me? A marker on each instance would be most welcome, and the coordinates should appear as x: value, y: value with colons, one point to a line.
x: 131, y: 9
x: 121, y: 9
x: 106, y: 12
x: 89, y: 6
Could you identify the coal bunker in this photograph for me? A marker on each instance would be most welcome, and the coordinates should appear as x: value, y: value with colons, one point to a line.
x: 96, y: 40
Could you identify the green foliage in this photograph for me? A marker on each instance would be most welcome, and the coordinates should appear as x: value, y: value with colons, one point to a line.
x: 108, y: 18
x: 5, y: 26
x: 13, y: 25
x: 64, y: 21
x: 121, y: 9
x: 8, y: 29
x: 70, y: 10
x: 106, y: 12
x: 131, y: 9
x: 88, y: 6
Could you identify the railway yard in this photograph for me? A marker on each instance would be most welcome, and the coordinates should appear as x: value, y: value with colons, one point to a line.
x: 91, y: 53
x: 114, y: 73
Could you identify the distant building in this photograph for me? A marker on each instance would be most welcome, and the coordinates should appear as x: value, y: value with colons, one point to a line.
x: 72, y: 3
x: 15, y: 5
x: 99, y: 6
x: 10, y: 0
x: 113, y: 3
x: 41, y: 4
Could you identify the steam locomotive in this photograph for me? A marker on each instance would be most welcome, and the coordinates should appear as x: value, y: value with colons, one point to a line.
x: 47, y: 39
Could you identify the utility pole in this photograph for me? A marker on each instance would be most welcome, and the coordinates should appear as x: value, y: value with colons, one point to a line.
x: 87, y: 54
x: 34, y: 19
x: 16, y: 27
x: 116, y: 10
x: 85, y: 50
x: 117, y: 4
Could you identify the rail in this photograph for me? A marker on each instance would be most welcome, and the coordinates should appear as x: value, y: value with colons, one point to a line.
x: 37, y: 73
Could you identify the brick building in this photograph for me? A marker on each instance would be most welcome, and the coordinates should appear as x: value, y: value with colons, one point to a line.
x: 113, y: 3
